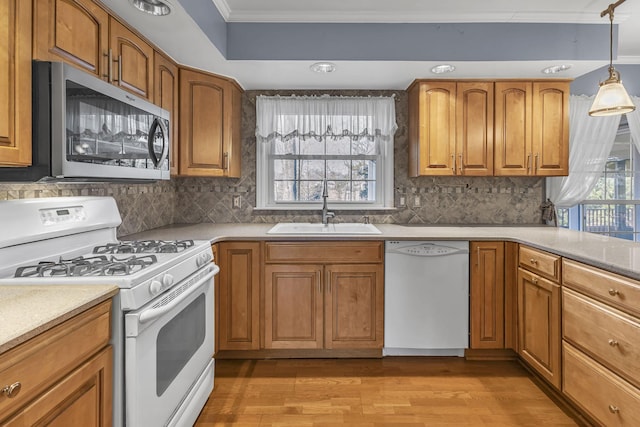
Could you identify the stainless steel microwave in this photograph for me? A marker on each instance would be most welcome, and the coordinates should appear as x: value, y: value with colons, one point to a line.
x: 87, y: 129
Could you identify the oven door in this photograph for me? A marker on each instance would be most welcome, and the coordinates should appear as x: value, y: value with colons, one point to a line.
x: 169, y: 344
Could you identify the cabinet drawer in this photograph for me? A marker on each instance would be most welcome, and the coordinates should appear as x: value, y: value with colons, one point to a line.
x: 324, y: 252
x: 607, y: 334
x: 599, y: 392
x: 543, y: 263
x: 43, y: 360
x: 613, y: 289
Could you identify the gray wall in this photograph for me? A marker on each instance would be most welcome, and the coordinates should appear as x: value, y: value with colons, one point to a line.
x: 588, y: 84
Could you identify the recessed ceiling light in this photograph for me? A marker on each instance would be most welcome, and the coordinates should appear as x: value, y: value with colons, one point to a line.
x: 444, y: 68
x: 554, y: 69
x: 323, y: 67
x: 152, y: 7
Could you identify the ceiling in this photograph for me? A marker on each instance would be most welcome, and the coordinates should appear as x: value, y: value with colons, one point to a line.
x: 382, y: 44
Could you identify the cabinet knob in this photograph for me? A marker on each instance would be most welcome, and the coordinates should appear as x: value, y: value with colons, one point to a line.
x: 11, y: 390
x: 613, y: 343
x: 534, y: 281
x: 613, y: 292
x: 614, y: 409
x: 533, y: 261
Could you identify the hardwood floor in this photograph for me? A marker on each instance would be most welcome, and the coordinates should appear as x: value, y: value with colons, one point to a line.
x: 377, y: 392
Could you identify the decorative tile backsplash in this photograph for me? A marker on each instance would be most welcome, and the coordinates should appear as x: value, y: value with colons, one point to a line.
x: 428, y: 200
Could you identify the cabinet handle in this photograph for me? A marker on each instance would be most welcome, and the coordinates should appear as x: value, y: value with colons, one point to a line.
x: 535, y: 163
x: 614, y: 409
x: 528, y: 162
x: 119, y: 60
x: 11, y: 390
x: 453, y: 163
x: 613, y: 292
x: 110, y: 66
x: 225, y: 161
x: 533, y: 261
x: 613, y: 343
x: 461, y: 165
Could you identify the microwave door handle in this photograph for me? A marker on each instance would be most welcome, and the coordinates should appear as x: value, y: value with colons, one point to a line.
x: 153, y: 313
x: 150, y: 139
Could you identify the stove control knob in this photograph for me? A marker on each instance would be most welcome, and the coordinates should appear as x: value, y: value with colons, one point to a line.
x: 203, y: 259
x: 167, y: 281
x: 155, y: 287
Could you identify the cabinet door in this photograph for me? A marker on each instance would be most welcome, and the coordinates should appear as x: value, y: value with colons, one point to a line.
x: 206, y: 125
x: 432, y: 129
x: 293, y: 312
x: 166, y: 96
x: 132, y: 61
x: 474, y: 128
x: 83, y: 398
x: 354, y: 296
x: 73, y: 31
x: 513, y: 103
x: 487, y: 295
x: 15, y: 84
x: 551, y: 128
x: 239, y: 296
x: 539, y: 324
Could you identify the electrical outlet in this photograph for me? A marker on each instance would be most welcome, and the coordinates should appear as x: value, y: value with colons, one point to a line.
x: 416, y: 201
x: 403, y: 201
x: 235, y: 202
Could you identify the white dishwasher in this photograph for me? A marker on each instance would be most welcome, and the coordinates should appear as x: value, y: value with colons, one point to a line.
x: 426, y: 298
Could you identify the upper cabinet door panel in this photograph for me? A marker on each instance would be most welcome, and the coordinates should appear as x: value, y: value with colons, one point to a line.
x: 133, y: 61
x: 202, y: 126
x: 551, y: 128
x: 437, y: 128
x: 74, y: 31
x: 513, y: 128
x: 474, y: 139
x: 15, y: 84
x: 166, y: 96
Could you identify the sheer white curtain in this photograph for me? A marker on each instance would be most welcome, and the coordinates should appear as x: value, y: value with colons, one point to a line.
x: 633, y: 119
x: 590, y: 142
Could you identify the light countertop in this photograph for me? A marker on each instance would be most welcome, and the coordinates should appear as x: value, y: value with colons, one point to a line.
x: 28, y: 310
x: 610, y: 253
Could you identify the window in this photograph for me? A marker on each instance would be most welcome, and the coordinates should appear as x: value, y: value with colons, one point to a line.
x: 613, y: 206
x: 305, y: 143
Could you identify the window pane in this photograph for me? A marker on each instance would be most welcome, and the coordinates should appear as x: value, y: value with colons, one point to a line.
x: 339, y: 190
x: 284, y: 191
x: 284, y: 169
x: 311, y: 146
x: 363, y: 169
x: 608, y: 218
x: 289, y: 146
x: 338, y: 169
x: 311, y: 169
x: 363, y: 191
x: 364, y: 146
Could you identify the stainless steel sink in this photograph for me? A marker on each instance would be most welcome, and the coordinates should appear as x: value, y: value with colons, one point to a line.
x: 317, y: 228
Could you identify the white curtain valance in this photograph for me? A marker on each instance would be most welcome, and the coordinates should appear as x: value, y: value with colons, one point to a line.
x: 325, y: 117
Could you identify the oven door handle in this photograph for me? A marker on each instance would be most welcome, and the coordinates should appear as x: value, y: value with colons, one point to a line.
x: 153, y: 313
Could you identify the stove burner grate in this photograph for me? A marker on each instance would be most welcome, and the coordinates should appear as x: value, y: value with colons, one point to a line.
x: 100, y: 265
x: 143, y: 246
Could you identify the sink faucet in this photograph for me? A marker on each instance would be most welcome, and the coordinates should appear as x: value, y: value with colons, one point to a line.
x: 326, y: 214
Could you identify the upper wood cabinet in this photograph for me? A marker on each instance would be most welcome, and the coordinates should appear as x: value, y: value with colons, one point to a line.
x: 532, y: 128
x: 74, y: 31
x: 502, y: 128
x: 487, y: 288
x: 131, y: 58
x: 83, y: 34
x: 15, y: 85
x: 166, y: 96
x: 451, y: 128
x: 209, y: 125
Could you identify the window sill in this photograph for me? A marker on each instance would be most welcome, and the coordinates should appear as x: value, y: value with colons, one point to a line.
x: 331, y: 208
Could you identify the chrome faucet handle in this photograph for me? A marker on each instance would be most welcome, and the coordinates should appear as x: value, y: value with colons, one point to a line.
x: 365, y: 219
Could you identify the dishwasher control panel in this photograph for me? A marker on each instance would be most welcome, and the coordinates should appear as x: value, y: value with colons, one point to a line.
x: 427, y: 249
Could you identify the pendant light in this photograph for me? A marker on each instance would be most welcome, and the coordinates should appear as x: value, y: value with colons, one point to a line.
x: 612, y: 98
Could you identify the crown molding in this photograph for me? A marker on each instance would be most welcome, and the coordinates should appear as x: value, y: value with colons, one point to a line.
x: 223, y: 8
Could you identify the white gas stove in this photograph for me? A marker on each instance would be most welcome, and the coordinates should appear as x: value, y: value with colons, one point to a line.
x: 164, y: 307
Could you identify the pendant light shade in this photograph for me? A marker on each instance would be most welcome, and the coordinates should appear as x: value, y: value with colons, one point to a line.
x: 612, y: 98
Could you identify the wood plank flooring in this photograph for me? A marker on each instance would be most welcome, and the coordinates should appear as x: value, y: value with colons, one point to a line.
x: 407, y: 392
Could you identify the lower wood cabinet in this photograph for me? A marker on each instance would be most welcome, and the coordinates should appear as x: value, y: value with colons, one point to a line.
x: 238, y: 296
x: 64, y: 375
x: 539, y: 324
x: 487, y: 289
